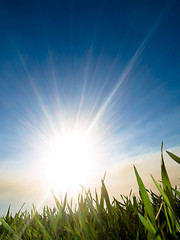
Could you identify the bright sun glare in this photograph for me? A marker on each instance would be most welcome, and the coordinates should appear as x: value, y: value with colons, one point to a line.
x: 68, y: 161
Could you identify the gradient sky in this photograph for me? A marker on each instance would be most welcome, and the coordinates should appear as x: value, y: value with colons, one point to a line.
x: 111, y: 66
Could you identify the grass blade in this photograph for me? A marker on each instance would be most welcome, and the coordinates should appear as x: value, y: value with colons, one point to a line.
x: 145, y: 197
x: 174, y: 157
x: 166, y: 182
x: 47, y: 235
x: 163, y: 194
x: 7, y: 227
x: 146, y: 224
x: 165, y: 179
x: 106, y: 196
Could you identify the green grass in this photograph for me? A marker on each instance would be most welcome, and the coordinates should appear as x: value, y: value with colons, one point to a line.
x: 147, y: 216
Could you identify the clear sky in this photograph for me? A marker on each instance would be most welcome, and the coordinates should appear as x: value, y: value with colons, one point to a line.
x: 108, y: 69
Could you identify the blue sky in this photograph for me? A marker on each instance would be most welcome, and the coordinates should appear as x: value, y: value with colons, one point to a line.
x: 113, y: 65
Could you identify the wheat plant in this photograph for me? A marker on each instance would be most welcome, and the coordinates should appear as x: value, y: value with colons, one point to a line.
x: 147, y: 216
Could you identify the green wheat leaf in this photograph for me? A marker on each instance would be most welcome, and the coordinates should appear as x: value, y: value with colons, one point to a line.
x: 166, y: 199
x: 146, y: 224
x: 47, y: 235
x: 145, y: 197
x: 165, y: 179
x: 106, y: 196
x: 7, y: 227
x: 174, y: 157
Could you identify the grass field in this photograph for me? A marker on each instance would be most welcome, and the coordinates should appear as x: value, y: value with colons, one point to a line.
x: 147, y: 216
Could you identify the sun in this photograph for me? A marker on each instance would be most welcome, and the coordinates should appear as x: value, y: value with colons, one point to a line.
x: 68, y: 161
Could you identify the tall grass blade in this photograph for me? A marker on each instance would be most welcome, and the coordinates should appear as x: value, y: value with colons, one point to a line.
x: 145, y: 197
x: 165, y: 179
x: 167, y: 218
x: 165, y: 197
x: 106, y: 196
x: 166, y: 182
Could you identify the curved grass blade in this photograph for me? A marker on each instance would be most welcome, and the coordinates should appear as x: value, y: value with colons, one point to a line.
x: 174, y: 157
x: 7, y: 227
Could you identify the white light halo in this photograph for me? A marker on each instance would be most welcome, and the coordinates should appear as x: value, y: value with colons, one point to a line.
x: 68, y: 161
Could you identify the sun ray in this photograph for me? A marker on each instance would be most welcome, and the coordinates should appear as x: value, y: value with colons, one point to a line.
x: 131, y: 64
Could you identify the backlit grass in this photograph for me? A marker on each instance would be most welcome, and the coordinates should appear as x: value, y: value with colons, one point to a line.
x: 147, y: 216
